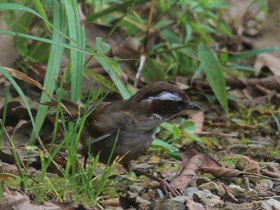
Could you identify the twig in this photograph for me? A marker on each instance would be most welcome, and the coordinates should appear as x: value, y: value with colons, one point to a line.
x: 144, y: 55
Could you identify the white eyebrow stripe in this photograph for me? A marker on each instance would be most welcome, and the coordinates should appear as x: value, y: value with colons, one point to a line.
x: 165, y: 96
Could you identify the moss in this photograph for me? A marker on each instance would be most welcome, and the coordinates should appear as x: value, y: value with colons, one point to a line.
x: 230, y: 160
x: 111, y: 191
x: 48, y: 189
x: 245, y: 141
x: 239, y: 181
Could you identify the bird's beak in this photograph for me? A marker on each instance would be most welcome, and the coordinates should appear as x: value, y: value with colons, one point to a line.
x: 193, y: 106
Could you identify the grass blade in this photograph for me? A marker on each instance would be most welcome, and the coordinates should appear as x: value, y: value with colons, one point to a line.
x: 111, y: 67
x: 214, y: 74
x: 39, y: 7
x: 77, y: 59
x: 253, y: 53
x: 21, y: 94
x: 53, y: 66
x: 112, y: 9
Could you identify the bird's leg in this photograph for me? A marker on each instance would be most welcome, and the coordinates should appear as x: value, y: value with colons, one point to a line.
x: 165, y: 185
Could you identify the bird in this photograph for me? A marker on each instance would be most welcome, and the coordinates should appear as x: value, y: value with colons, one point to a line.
x: 129, y: 126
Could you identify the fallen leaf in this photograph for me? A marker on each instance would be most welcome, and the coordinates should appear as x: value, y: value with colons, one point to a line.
x: 248, y: 165
x: 267, y: 60
x: 8, y: 52
x: 198, y: 119
x: 188, y: 174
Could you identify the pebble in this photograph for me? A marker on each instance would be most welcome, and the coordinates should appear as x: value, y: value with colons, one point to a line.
x: 207, y: 198
x: 212, y: 186
x: 264, y: 184
x: 190, y: 191
x: 270, y: 204
x: 236, y: 190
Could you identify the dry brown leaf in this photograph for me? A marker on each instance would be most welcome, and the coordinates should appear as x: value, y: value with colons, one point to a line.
x: 198, y: 119
x: 270, y: 173
x: 267, y: 60
x: 8, y: 52
x: 182, y: 82
x: 270, y: 34
x: 19, y: 135
x: 187, y: 154
x: 270, y: 38
x: 21, y: 76
x: 248, y: 165
x: 187, y: 175
x: 221, y: 171
x: 244, y: 17
x: 209, y: 165
x: 228, y: 192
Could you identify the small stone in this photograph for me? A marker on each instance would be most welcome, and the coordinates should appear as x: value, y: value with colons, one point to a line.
x: 235, y: 206
x: 142, y: 202
x: 237, y: 149
x: 266, y: 164
x: 181, y: 199
x: 146, y: 196
x: 202, y: 180
x: 270, y: 204
x: 263, y: 185
x: 150, y: 184
x: 248, y: 165
x: 166, y: 204
x: 136, y: 188
x: 236, y: 190
x: 111, y: 202
x: 190, y: 191
x: 276, y: 189
x: 191, y: 205
x: 143, y: 166
x: 246, y: 183
x: 250, y: 193
x: 221, y: 191
x: 212, y: 186
x: 207, y: 198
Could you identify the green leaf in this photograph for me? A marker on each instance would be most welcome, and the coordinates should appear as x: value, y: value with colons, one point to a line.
x: 117, y: 7
x: 164, y: 145
x: 102, y: 47
x: 40, y: 8
x: 176, y: 133
x: 111, y: 67
x: 188, y: 126
x: 54, y: 63
x: 22, y: 95
x: 167, y: 126
x: 253, y: 53
x: 77, y: 59
x: 176, y: 155
x: 12, y: 6
x: 214, y: 74
x: 38, y: 5
x: 36, y: 38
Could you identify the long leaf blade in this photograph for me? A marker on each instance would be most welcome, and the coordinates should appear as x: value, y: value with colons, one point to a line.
x: 212, y: 68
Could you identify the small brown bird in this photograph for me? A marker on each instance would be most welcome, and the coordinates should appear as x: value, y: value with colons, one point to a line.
x: 132, y: 123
